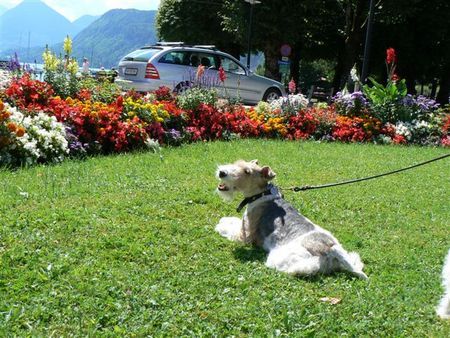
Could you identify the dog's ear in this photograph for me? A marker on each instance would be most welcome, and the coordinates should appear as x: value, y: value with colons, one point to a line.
x: 254, y: 162
x: 267, y: 173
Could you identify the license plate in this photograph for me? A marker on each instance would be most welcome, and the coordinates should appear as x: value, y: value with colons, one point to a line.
x: 131, y: 71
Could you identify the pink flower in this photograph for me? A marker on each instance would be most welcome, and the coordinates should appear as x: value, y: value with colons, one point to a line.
x: 394, y: 77
x: 222, y: 75
x: 292, y: 86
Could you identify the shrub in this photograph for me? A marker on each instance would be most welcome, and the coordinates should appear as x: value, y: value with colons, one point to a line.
x: 61, y: 73
x: 356, y: 129
x: 102, y: 91
x: 192, y: 98
x: 303, y: 125
x: 29, y: 94
x: 30, y: 139
x: 289, y: 105
x: 350, y: 104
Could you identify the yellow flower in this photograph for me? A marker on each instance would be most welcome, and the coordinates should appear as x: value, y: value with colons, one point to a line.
x: 50, y: 60
x: 68, y: 45
x: 72, y: 66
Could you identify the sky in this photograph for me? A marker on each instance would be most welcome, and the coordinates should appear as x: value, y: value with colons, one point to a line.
x: 73, y: 9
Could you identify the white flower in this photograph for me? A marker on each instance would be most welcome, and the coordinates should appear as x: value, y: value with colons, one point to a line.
x: 290, y: 104
x: 5, y: 79
x: 44, y: 139
x: 354, y: 74
x: 404, y: 129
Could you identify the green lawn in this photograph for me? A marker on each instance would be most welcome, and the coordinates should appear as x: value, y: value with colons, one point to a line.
x: 125, y: 245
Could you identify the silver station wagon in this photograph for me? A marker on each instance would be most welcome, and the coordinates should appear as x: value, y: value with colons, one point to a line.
x: 175, y: 65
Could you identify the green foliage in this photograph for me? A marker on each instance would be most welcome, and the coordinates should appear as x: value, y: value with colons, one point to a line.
x: 103, y: 91
x: 379, y: 94
x: 125, y: 246
x: 193, y: 22
x: 64, y: 84
x: 193, y: 97
x: 312, y: 71
x: 386, y: 100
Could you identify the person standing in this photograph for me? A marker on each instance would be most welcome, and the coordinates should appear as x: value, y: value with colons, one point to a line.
x: 85, y: 68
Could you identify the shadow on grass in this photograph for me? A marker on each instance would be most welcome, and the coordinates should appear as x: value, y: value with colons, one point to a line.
x: 250, y: 254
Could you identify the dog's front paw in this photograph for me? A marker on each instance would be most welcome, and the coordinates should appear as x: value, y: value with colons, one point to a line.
x: 230, y: 227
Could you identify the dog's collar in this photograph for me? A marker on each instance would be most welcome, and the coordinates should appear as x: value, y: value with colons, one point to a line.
x: 253, y: 198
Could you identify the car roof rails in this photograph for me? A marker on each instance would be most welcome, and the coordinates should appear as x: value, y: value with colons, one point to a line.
x: 213, y: 47
x: 179, y: 44
x: 169, y: 44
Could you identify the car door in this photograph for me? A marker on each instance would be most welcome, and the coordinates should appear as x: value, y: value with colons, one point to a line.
x: 238, y: 83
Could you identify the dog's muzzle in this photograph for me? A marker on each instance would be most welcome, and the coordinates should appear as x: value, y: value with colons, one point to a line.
x: 222, y: 187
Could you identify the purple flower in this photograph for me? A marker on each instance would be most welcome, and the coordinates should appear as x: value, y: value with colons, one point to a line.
x: 420, y: 103
x: 14, y: 63
x: 173, y: 134
x: 350, y: 103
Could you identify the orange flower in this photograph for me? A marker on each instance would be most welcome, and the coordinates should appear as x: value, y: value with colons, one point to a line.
x: 200, y: 71
x: 20, y: 131
x: 12, y: 127
x: 2, y: 105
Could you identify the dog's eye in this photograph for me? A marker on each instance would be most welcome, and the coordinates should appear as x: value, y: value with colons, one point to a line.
x: 248, y: 171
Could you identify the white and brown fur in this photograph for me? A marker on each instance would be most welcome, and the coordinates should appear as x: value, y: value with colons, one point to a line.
x: 295, y: 245
x: 443, y: 309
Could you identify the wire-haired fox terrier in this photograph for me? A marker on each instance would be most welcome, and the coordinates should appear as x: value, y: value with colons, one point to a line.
x: 443, y: 309
x: 295, y: 245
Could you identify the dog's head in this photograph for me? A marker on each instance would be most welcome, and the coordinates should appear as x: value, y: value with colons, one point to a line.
x: 247, y: 178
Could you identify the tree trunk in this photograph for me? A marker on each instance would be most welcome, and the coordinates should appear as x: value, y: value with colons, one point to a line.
x: 272, y: 55
x: 348, y: 55
x: 444, y: 86
x: 295, y: 64
x: 433, y: 88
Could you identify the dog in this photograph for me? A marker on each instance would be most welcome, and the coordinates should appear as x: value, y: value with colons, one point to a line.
x: 443, y: 309
x: 295, y: 245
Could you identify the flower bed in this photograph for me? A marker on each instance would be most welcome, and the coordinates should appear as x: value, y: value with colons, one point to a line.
x: 38, y: 126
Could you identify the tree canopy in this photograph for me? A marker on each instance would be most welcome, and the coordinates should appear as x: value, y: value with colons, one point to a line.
x: 331, y: 30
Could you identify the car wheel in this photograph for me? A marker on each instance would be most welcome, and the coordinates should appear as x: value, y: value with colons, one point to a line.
x: 182, y: 87
x: 271, y: 94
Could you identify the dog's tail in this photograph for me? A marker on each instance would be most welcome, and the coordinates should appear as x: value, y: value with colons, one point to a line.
x: 348, y: 261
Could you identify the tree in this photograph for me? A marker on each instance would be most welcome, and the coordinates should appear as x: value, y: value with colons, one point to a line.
x: 322, y: 29
x: 195, y: 22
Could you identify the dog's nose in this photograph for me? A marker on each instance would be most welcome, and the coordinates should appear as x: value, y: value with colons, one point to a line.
x: 222, y: 174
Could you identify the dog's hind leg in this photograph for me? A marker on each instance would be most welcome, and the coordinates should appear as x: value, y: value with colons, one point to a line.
x: 293, y: 259
x: 348, y: 261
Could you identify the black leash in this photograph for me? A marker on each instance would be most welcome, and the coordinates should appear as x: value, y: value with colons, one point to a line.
x: 310, y: 187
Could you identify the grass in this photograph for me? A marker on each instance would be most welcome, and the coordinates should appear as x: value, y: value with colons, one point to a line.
x: 125, y: 245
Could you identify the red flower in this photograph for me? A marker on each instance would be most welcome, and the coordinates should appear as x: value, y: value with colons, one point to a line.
x: 394, y: 77
x: 222, y: 75
x: 391, y: 56
x: 399, y: 139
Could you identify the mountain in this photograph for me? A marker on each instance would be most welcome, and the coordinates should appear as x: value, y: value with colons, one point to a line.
x: 104, y: 42
x: 82, y: 22
x: 113, y: 35
x: 27, y: 24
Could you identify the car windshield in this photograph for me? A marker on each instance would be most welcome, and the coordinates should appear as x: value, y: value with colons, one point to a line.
x: 141, y: 54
